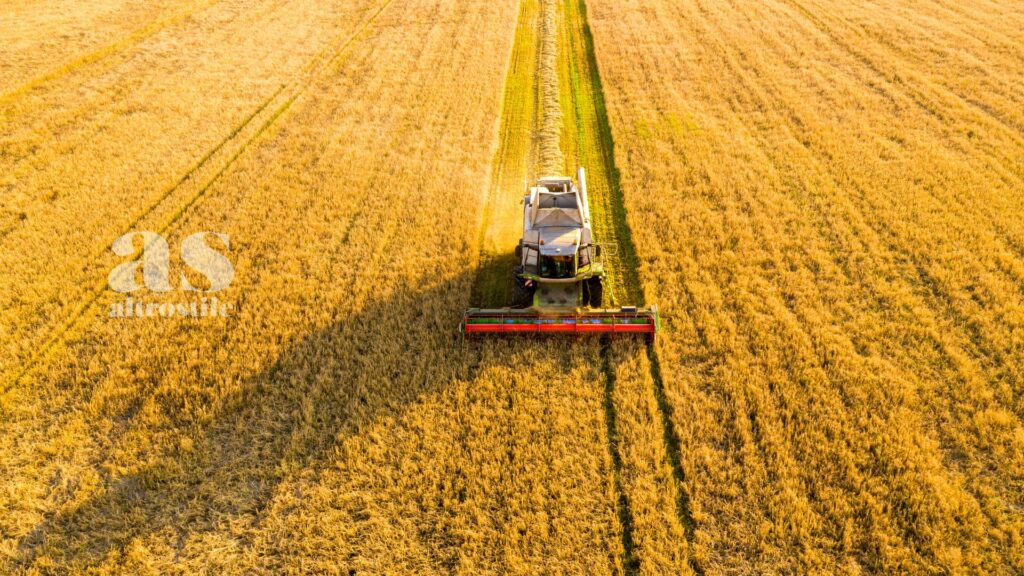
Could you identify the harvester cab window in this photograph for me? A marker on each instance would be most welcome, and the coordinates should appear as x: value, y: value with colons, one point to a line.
x: 557, y: 267
x: 584, y: 256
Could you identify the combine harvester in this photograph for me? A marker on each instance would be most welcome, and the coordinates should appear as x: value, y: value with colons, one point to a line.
x: 559, y: 282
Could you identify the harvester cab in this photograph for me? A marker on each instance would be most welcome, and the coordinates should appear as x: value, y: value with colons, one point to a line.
x: 558, y: 283
x: 559, y: 265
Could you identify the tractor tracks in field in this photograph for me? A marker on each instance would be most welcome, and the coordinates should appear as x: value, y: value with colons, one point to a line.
x: 595, y: 150
x: 206, y: 172
x: 630, y: 561
x: 525, y: 138
x: 528, y: 135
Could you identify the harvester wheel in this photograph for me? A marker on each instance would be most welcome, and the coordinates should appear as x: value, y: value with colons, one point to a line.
x: 594, y: 291
x: 522, y: 295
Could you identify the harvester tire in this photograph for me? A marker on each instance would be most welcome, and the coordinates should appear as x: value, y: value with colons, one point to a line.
x: 594, y: 291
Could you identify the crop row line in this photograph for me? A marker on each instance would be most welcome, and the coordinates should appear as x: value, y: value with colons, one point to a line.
x: 941, y: 298
x: 929, y: 102
x: 923, y: 100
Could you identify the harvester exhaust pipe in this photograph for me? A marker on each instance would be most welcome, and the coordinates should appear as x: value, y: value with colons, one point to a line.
x: 581, y: 177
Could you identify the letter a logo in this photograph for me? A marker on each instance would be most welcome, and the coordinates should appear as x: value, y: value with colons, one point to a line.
x: 155, y: 263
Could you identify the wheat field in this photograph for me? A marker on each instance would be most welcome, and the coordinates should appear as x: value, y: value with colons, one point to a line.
x: 825, y: 200
x: 841, y: 253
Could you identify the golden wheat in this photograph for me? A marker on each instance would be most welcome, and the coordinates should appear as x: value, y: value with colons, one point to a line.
x: 103, y: 150
x: 826, y: 196
x: 43, y: 42
x: 334, y: 423
x: 823, y: 198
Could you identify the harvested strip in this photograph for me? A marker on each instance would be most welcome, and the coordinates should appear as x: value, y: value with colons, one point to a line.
x: 549, y: 153
x: 502, y: 223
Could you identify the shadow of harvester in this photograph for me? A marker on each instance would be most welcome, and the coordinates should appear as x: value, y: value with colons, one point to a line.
x: 331, y: 384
